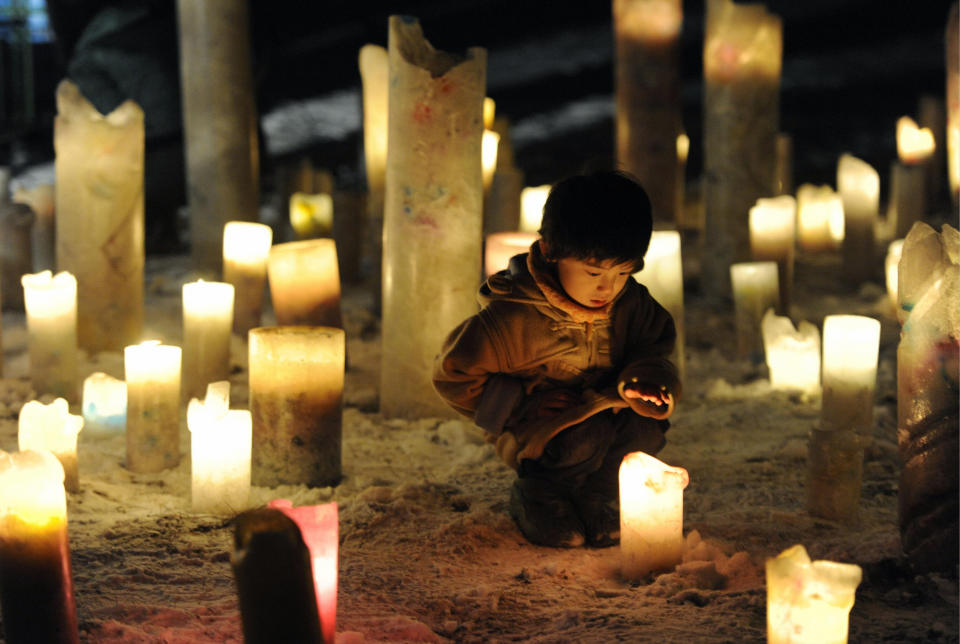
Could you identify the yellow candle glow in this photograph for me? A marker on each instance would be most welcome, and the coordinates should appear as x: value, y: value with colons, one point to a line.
x: 662, y: 274
x: 51, y: 306
x: 953, y: 101
x: 207, y: 320
x: 792, y: 354
x: 858, y: 184
x: 246, y: 246
x: 489, y: 112
x: 755, y: 290
x: 820, y: 218
x: 220, y: 444
x: 743, y: 42
x: 773, y: 233
x: 532, y: 199
x: 850, y: 350
x: 488, y: 150
x: 153, y: 406
x: 305, y: 283
x: 651, y: 515
x: 104, y: 404
x: 891, y: 269
x: 311, y: 215
x: 53, y: 428
x: 914, y: 144
x: 809, y: 602
x: 500, y: 247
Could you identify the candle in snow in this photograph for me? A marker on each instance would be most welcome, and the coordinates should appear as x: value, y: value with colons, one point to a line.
x: 792, y: 355
x: 820, y: 223
x: 850, y: 351
x: 51, y: 305
x: 153, y: 406
x: 305, y: 283
x: 755, y: 289
x: 245, y: 249
x: 773, y: 233
x: 662, y: 274
x: 859, y: 187
x: 53, y: 428
x: 207, y: 321
x: 104, y: 404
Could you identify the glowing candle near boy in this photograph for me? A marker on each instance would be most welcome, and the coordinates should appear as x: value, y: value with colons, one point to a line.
x: 305, y: 283
x: 53, y: 428
x: 532, y: 199
x: 246, y: 246
x: 153, y: 406
x: 36, y: 587
x: 207, y: 321
x: 104, y: 404
x: 792, y: 355
x: 755, y: 289
x: 773, y: 233
x: 662, y: 274
x: 51, y: 305
x: 500, y: 247
x: 651, y: 515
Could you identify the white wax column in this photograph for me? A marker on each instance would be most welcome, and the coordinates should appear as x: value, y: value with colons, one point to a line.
x: 651, y: 515
x: 532, y: 199
x: 819, y: 218
x: 104, y: 404
x: 305, y: 283
x: 891, y: 270
x: 792, y: 354
x: 53, y: 428
x: 662, y: 274
x: 851, y: 345
x: 311, y: 215
x: 207, y: 321
x: 755, y: 290
x: 246, y: 246
x: 500, y: 247
x: 809, y: 602
x: 220, y: 447
x: 859, y: 186
x: 773, y: 235
x: 51, y: 305
x: 152, y: 372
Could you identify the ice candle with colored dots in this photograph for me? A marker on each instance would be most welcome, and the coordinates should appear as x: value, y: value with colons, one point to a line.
x: 36, y: 586
x: 207, y: 322
x: 773, y: 234
x: 809, y: 602
x: 220, y: 444
x: 53, y: 428
x: 104, y: 404
x: 500, y: 247
x: 153, y: 406
x: 305, y: 283
x: 50, y: 302
x: 246, y: 246
x: 792, y: 354
x: 651, y: 515
x: 755, y: 289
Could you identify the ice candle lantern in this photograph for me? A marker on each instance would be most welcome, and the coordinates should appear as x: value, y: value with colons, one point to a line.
x: 220, y: 440
x: 820, y: 224
x: 773, y: 234
x: 850, y: 351
x: 207, y: 321
x: 246, y: 246
x: 305, y: 283
x: 36, y: 587
x: 500, y: 247
x: 53, y: 428
x: 662, y: 274
x: 153, y: 406
x: 755, y: 289
x: 792, y: 354
x: 859, y: 186
x: 532, y: 199
x: 320, y: 527
x: 104, y: 404
x: 51, y: 306
x: 809, y: 602
x: 651, y: 515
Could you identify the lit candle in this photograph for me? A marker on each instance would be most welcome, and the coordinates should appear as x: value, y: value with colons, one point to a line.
x: 500, y: 247
x: 662, y: 274
x: 754, y: 291
x: 792, y: 354
x: 51, y: 305
x: 914, y: 144
x: 859, y: 187
x: 53, y: 428
x: 311, y: 215
x: 246, y: 246
x: 374, y: 71
x: 891, y: 267
x: 809, y: 602
x: 153, y: 406
x: 296, y: 401
x: 489, y: 112
x: 207, y: 320
x: 104, y: 404
x: 532, y: 199
x: 953, y: 101
x: 220, y: 440
x: 651, y: 515
x: 819, y: 218
x: 305, y: 283
x: 320, y: 527
x: 36, y: 587
x: 773, y: 233
x: 850, y: 350
x: 488, y: 151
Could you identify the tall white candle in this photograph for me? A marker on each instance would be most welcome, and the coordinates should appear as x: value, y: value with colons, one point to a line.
x: 755, y: 290
x: 51, y: 305
x: 153, y: 406
x: 53, y: 428
x: 207, y: 321
x: 662, y: 274
x: 858, y: 184
x: 850, y: 351
x: 246, y: 246
x: 773, y: 233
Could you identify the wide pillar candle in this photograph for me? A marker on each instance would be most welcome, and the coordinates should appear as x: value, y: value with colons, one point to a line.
x: 662, y: 274
x: 305, y: 283
x: 207, y: 321
x: 219, y: 122
x: 500, y: 247
x: 153, y: 406
x: 432, y: 234
x: 296, y: 403
x: 742, y: 56
x: 792, y: 354
x: 220, y: 440
x: 809, y: 602
x: 246, y: 246
x: 53, y: 428
x: 36, y: 587
x: 99, y: 197
x: 820, y: 223
x: 773, y: 234
x: 51, y: 305
x: 647, y: 89
x: 651, y: 515
x: 859, y: 186
x: 755, y: 289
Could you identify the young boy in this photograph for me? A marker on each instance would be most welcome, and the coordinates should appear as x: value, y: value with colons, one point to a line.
x: 566, y: 367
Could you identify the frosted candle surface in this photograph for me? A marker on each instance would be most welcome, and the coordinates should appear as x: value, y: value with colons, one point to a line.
x: 809, y: 602
x: 755, y: 289
x: 52, y: 427
x: 104, y: 403
x: 500, y: 247
x: 305, y: 283
x: 207, y: 321
x: 850, y: 349
x: 662, y: 274
x: 532, y: 199
x: 914, y: 144
x: 792, y: 354
x: 651, y: 514
x: 51, y: 306
x: 153, y: 406
x: 246, y: 246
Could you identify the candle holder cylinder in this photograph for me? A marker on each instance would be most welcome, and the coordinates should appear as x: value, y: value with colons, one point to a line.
x: 296, y: 403
x: 246, y: 246
x: 16, y: 221
x: 859, y: 187
x: 662, y: 274
x: 305, y: 283
x: 207, y: 321
x: 53, y: 428
x: 755, y: 289
x: 153, y: 406
x: 432, y: 234
x: 51, y: 305
x: 773, y: 234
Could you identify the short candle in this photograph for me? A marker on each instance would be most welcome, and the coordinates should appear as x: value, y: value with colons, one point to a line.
x: 891, y: 269
x: 245, y: 249
x: 53, y: 428
x: 792, y: 354
x: 914, y: 144
x: 311, y: 215
x: 662, y: 274
x: 51, y: 306
x: 488, y: 151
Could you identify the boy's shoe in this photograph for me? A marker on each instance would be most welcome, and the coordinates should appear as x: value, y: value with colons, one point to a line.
x: 601, y: 517
x: 544, y: 514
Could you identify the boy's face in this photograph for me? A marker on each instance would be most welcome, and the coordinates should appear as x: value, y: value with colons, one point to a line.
x: 593, y: 283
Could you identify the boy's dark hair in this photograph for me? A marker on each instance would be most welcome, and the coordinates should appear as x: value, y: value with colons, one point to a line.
x: 600, y: 216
